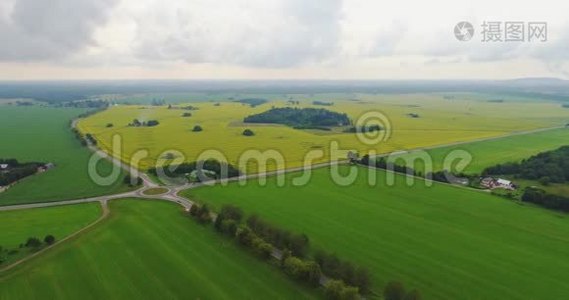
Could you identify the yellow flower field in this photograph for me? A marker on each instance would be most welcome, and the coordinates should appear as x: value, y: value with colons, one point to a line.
x: 441, y: 121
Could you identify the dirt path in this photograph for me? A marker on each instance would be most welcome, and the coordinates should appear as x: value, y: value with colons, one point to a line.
x: 104, y: 214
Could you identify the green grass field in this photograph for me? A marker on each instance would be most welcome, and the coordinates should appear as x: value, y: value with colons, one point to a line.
x: 17, y: 226
x: 149, y: 250
x: 43, y: 134
x: 492, y: 152
x: 448, y: 242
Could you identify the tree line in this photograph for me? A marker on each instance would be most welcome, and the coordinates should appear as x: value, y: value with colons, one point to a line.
x: 32, y: 243
x: 542, y: 198
x: 546, y: 167
x: 341, y: 279
x: 201, y: 168
x: 17, y: 171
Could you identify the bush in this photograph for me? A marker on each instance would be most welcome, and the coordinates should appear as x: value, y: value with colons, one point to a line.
x: 33, y: 242
x: 109, y: 125
x: 308, y: 271
x: 197, y: 128
x: 248, y: 132
x: 262, y: 248
x: 186, y: 114
x: 49, y: 239
x: 337, y: 290
x: 201, y: 213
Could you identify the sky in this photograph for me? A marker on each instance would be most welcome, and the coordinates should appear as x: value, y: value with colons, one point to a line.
x: 275, y: 39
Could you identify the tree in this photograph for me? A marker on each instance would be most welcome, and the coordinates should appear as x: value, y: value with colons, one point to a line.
x: 186, y: 114
x: 33, y: 242
x: 132, y: 181
x: 109, y: 125
x: 394, y: 291
x: 337, y: 290
x: 248, y: 132
x: 49, y: 239
x: 197, y: 128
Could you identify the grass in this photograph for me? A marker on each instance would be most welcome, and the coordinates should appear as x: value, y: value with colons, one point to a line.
x: 441, y: 121
x: 155, y: 191
x: 18, y: 225
x: 488, y: 153
x: 450, y: 243
x: 43, y: 134
x: 149, y: 250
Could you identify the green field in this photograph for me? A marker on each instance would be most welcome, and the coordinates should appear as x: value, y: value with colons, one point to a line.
x: 43, y: 134
x: 492, y: 152
x: 17, y: 226
x: 448, y: 242
x: 149, y: 250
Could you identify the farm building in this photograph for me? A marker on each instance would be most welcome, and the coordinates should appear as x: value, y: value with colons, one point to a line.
x: 4, y: 166
x: 494, y: 183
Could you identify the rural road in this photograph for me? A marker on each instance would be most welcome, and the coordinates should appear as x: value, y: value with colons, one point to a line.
x: 171, y: 193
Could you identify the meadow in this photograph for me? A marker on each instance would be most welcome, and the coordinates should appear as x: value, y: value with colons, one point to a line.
x: 442, y: 120
x: 492, y: 152
x: 43, y: 134
x: 448, y: 242
x: 149, y: 250
x: 17, y: 226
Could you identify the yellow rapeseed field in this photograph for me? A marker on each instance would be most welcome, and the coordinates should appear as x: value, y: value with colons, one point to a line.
x: 441, y: 121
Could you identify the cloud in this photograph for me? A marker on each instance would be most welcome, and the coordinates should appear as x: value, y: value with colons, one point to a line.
x: 255, y: 33
x: 41, y: 30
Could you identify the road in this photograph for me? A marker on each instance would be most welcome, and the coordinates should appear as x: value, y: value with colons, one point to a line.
x: 173, y: 190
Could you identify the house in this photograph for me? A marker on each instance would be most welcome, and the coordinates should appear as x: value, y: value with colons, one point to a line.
x: 4, y: 166
x: 493, y: 183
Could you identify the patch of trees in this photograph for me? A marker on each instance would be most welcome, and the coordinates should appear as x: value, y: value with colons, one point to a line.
x: 363, y: 129
x: 138, y: 123
x: 252, y: 101
x: 202, y: 167
x: 341, y: 279
x: 300, y: 117
x: 282, y: 239
x: 32, y: 243
x: 85, y: 104
x: 157, y: 102
x: 413, y: 115
x: 132, y: 181
x: 187, y: 107
x: 197, y: 128
x: 109, y: 125
x: 186, y: 114
x: 546, y: 167
x: 248, y: 132
x: 352, y: 275
x: 322, y: 103
x: 541, y: 198
x: 16, y: 170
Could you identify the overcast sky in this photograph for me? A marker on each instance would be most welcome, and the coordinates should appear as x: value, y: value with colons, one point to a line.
x: 274, y: 39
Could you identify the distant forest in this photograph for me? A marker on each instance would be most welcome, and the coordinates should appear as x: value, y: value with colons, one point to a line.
x: 300, y: 118
x: 546, y: 167
x: 16, y: 170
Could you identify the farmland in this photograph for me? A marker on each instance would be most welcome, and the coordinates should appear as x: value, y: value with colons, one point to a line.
x: 19, y: 225
x: 489, y: 153
x: 450, y: 243
x: 440, y: 121
x: 148, y: 250
x: 43, y: 134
